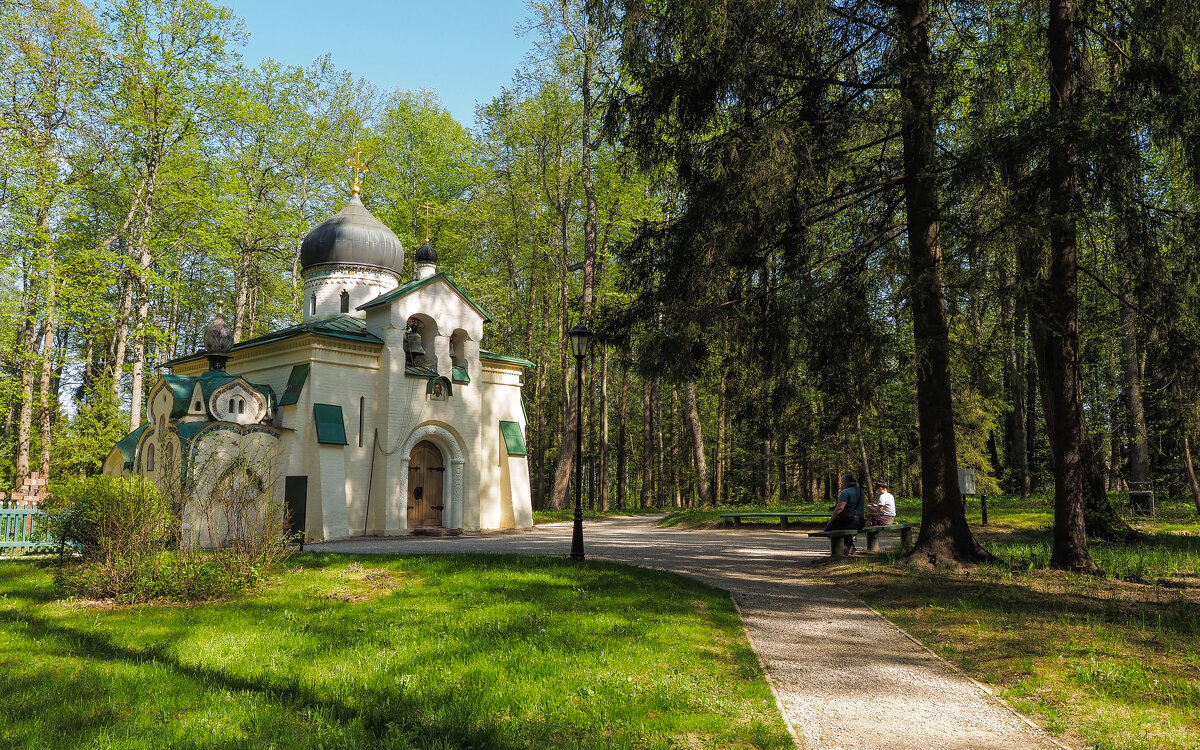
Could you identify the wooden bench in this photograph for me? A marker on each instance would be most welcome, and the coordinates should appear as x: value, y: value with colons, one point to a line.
x: 837, y: 538
x: 783, y: 517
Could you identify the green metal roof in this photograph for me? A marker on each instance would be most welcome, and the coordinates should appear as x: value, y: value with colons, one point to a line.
x: 460, y: 375
x: 212, y: 380
x: 494, y: 357
x: 413, y: 286
x: 345, y: 327
x: 128, y: 444
x: 181, y: 392
x: 420, y: 372
x: 331, y: 429
x: 514, y: 438
x: 295, y: 384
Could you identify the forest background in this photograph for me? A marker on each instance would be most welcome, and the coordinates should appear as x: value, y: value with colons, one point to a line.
x: 723, y: 190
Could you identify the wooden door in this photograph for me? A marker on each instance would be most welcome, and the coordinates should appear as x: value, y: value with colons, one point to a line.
x: 425, y: 473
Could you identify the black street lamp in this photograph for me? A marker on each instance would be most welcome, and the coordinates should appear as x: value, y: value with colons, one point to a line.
x: 579, y: 336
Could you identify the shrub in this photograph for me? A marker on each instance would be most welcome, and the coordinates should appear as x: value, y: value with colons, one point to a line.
x: 122, y: 524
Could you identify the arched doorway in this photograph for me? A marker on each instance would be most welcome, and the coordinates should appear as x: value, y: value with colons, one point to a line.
x: 425, y: 498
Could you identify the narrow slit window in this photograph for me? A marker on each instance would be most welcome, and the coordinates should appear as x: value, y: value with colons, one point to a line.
x: 345, y: 301
x: 150, y: 457
x: 362, y: 402
x: 312, y: 305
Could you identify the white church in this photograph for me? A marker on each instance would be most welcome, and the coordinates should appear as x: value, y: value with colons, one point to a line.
x: 379, y: 415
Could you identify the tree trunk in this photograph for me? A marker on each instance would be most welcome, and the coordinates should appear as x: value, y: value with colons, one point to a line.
x: 719, y: 448
x: 867, y: 486
x: 660, y: 494
x: 45, y: 386
x: 1015, y: 450
x: 673, y: 455
x: 945, y: 536
x: 1054, y: 323
x: 622, y: 442
x: 1139, y: 446
x: 696, y: 430
x: 25, y: 363
x: 241, y: 297
x: 647, y: 494
x: 1191, y: 471
x: 603, y: 484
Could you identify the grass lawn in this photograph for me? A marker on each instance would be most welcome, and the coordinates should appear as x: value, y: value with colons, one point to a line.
x: 368, y: 652
x: 568, y: 514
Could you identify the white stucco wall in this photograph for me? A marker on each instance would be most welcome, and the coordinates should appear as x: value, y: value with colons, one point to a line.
x: 326, y: 284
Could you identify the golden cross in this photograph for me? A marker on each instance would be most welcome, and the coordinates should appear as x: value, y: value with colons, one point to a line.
x: 359, y: 167
x: 427, y: 207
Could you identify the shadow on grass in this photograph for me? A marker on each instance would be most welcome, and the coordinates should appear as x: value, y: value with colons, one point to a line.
x: 379, y: 712
x: 297, y: 648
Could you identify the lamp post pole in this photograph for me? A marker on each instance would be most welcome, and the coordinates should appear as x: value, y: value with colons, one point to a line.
x: 579, y: 342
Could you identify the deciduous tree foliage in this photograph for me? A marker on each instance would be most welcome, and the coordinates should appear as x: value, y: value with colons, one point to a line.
x: 815, y: 237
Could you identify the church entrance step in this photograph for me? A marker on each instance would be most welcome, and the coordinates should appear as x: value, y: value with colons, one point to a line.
x: 435, y: 531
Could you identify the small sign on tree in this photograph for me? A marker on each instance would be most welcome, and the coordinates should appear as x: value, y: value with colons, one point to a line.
x: 966, y: 481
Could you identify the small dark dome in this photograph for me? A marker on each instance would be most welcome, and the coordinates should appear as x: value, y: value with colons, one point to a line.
x: 426, y: 254
x: 352, y: 236
x: 218, y: 337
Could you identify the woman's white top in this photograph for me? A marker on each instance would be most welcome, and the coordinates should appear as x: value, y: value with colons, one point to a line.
x: 887, y: 504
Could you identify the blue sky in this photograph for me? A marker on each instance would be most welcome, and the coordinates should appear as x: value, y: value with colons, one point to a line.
x: 464, y: 50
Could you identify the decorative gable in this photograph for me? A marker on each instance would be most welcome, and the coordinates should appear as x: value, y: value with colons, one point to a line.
x: 238, y: 402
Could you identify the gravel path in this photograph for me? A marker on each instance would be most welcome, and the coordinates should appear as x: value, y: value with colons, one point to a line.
x: 806, y: 632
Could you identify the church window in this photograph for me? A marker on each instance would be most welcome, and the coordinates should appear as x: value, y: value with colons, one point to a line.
x: 458, y: 358
x: 312, y: 305
x: 362, y: 402
x: 196, y: 406
x: 345, y: 301
x: 162, y: 423
x: 150, y: 457
x: 241, y: 406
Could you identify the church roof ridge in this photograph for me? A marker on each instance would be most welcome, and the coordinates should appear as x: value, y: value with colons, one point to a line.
x: 495, y: 357
x: 412, y: 286
x: 338, y: 327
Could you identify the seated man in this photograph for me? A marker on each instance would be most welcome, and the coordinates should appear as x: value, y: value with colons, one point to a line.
x: 885, y: 509
x: 850, y: 511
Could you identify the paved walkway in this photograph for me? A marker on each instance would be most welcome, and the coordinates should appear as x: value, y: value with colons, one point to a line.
x: 805, y: 631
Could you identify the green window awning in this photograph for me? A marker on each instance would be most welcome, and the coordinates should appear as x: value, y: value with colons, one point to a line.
x: 459, y: 375
x: 514, y: 438
x: 331, y: 430
x: 296, y: 380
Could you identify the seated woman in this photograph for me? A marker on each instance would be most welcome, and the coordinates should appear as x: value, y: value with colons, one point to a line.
x: 850, y: 511
x: 885, y: 509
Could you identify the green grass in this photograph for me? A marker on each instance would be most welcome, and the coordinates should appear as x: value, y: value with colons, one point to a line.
x: 567, y: 514
x: 708, y: 518
x: 364, y: 652
x: 1106, y: 661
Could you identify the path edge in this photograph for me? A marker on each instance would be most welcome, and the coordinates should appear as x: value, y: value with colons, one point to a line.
x: 987, y: 691
x: 767, y: 673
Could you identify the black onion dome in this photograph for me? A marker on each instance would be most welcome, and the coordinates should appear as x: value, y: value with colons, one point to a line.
x: 352, y: 236
x: 218, y: 338
x: 426, y: 254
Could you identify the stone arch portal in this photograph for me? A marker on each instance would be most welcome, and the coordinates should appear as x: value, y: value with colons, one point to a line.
x: 452, y: 453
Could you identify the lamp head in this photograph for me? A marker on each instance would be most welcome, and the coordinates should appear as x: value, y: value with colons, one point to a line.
x: 580, y: 336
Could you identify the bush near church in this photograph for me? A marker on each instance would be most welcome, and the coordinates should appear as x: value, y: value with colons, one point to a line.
x: 127, y: 532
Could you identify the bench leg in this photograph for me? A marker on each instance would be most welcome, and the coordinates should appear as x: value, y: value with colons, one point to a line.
x: 906, y: 537
x: 737, y: 520
x: 872, y: 542
x: 837, y: 547
x: 783, y: 523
